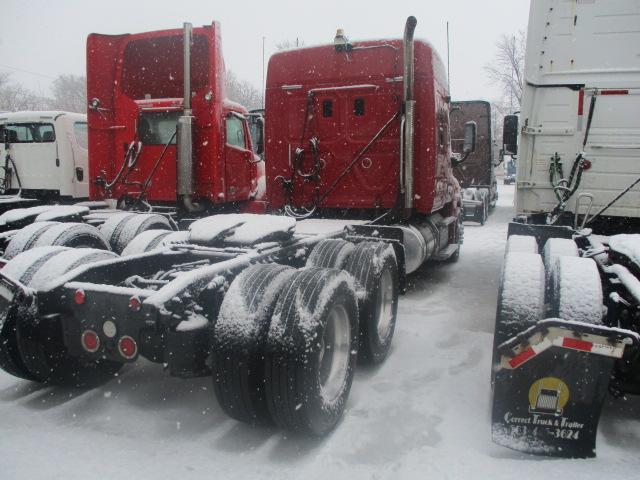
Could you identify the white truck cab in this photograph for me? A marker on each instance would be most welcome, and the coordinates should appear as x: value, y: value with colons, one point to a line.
x: 581, y: 100
x: 44, y: 155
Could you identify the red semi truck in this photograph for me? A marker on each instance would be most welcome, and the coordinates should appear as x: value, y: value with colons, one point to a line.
x: 276, y: 307
x: 476, y: 172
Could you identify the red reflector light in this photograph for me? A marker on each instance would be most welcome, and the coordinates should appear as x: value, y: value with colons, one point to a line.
x: 522, y: 357
x: 90, y: 341
x: 577, y: 344
x: 127, y: 347
x: 79, y: 296
x: 586, y: 164
x: 135, y: 304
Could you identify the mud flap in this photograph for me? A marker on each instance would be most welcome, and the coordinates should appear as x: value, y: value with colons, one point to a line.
x: 550, y: 385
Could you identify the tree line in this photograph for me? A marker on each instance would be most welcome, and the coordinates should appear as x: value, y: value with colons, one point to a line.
x: 69, y: 94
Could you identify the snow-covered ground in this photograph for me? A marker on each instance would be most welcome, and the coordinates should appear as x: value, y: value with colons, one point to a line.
x: 423, y: 414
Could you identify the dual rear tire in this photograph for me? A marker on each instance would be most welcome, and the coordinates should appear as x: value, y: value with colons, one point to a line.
x: 286, y: 341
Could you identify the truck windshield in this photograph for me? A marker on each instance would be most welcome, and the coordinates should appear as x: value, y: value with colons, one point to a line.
x: 27, y: 133
x: 156, y: 128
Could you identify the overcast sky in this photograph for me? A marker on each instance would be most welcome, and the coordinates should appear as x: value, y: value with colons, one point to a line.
x: 41, y: 39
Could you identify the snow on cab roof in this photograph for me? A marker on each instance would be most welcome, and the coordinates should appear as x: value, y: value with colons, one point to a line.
x: 30, y: 116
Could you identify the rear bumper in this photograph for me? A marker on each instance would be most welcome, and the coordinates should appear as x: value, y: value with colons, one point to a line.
x: 472, y: 209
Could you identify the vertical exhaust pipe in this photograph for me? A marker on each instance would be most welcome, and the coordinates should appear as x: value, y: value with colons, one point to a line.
x: 409, y: 114
x: 185, y: 179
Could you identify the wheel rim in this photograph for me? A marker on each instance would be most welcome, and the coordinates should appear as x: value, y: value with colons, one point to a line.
x: 335, y: 349
x: 384, y: 308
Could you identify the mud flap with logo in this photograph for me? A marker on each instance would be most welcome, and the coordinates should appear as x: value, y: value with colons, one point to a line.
x: 550, y: 386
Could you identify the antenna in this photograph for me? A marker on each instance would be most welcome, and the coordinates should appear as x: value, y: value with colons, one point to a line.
x: 448, y: 75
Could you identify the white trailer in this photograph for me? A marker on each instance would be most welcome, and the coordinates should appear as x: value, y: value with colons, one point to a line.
x: 581, y: 96
x: 568, y: 315
x: 43, y: 156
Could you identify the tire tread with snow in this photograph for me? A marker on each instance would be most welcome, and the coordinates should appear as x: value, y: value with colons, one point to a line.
x: 375, y: 269
x: 145, y: 242
x: 238, y: 341
x: 575, y: 290
x: 521, y: 294
x: 311, y: 354
x: 122, y: 228
x: 25, y: 238
x: 75, y: 235
x: 330, y: 253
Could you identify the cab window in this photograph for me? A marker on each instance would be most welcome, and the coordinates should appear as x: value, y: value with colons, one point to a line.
x: 235, y: 132
x: 157, y: 128
x: 28, y: 133
x: 80, y: 131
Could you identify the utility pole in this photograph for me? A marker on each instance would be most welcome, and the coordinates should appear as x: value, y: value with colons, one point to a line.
x: 448, y: 74
x: 263, y: 85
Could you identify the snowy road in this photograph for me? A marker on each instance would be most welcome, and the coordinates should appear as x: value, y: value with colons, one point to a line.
x: 423, y: 414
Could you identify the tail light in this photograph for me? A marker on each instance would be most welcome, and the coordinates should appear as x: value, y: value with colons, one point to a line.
x: 79, y: 296
x: 135, y: 304
x: 127, y: 347
x: 90, y: 341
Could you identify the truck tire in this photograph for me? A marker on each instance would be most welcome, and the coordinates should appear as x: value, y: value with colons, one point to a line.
x: 330, y: 253
x: 522, y: 244
x: 521, y: 294
x: 145, y: 242
x: 521, y: 297
x: 238, y: 341
x: 74, y: 235
x: 22, y: 269
x: 40, y: 341
x: 375, y: 268
x: 311, y: 351
x: 557, y: 247
x: 120, y: 229
x: 575, y: 291
x: 25, y: 238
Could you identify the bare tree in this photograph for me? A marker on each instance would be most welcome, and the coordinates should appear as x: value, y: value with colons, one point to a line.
x: 14, y: 97
x: 242, y: 91
x: 507, y: 68
x: 70, y: 93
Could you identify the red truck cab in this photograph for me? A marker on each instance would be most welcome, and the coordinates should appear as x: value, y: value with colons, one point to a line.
x: 333, y: 137
x: 136, y: 91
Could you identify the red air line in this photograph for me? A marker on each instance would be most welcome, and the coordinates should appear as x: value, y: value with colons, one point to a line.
x: 614, y: 92
x: 581, y: 101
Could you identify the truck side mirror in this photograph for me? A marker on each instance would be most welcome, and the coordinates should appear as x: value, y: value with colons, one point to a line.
x: 510, y: 134
x: 256, y: 129
x: 260, y: 136
x: 470, y: 129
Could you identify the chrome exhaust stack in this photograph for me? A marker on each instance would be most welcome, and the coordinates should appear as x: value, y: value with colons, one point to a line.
x: 184, y: 138
x: 409, y: 114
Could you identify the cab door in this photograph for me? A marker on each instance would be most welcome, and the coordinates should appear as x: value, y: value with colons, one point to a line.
x: 239, y: 163
x: 34, y: 150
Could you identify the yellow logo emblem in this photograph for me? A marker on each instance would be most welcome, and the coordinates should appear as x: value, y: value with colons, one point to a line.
x: 548, y: 396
